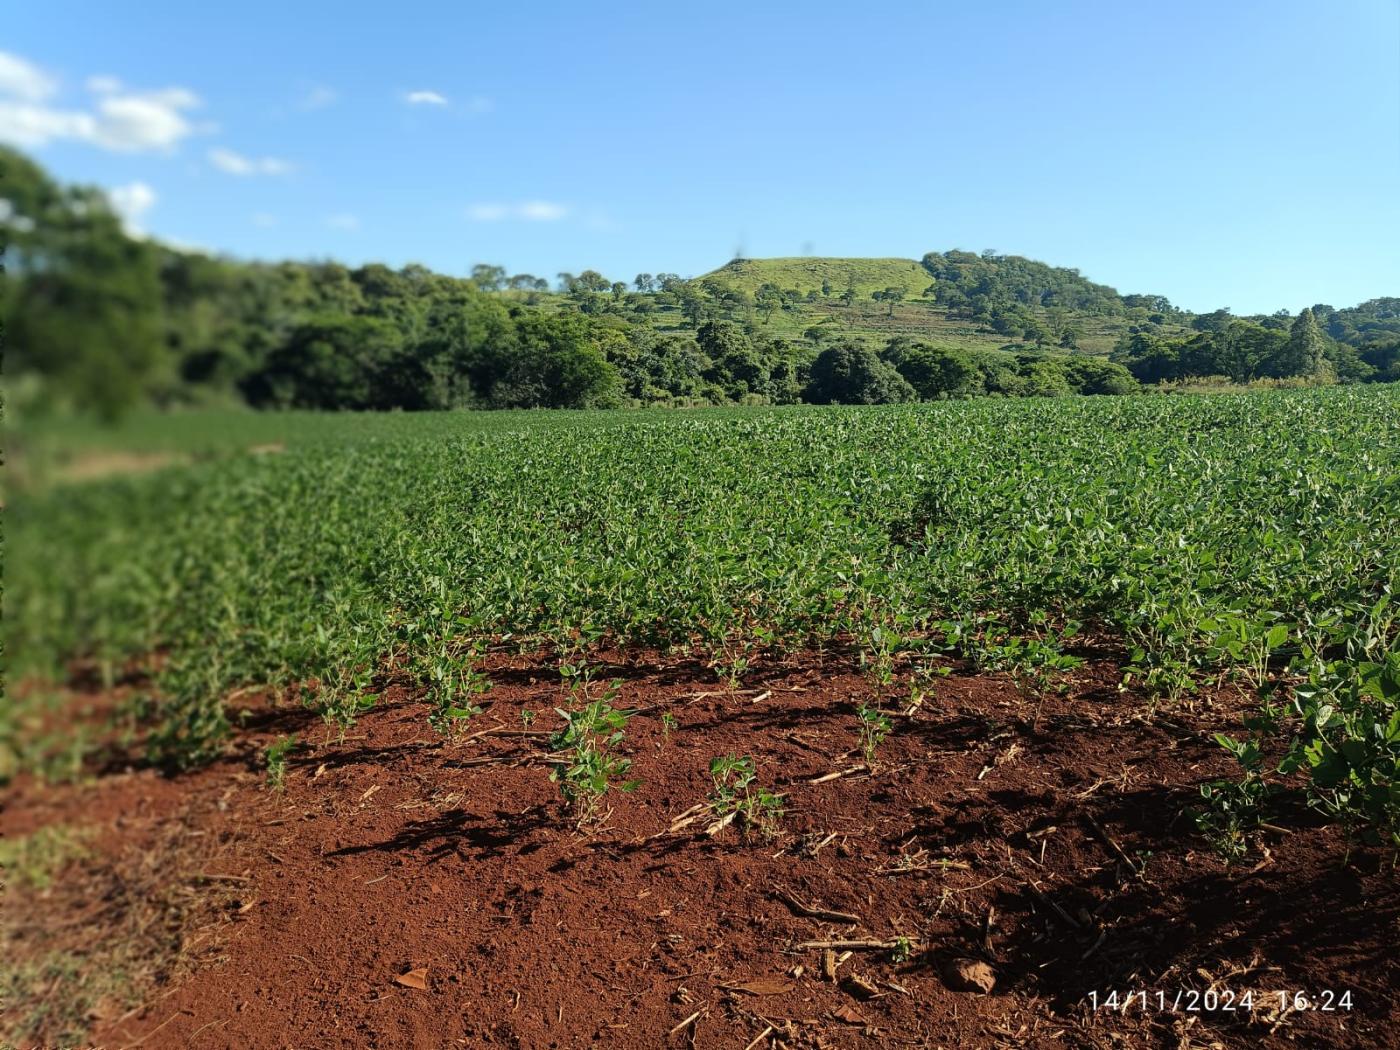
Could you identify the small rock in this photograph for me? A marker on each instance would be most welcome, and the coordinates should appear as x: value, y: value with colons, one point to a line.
x: 970, y: 975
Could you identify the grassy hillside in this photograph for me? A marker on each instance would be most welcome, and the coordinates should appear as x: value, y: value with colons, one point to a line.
x: 808, y: 275
x: 918, y: 316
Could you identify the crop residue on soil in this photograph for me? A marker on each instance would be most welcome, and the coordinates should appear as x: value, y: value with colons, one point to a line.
x: 1007, y: 857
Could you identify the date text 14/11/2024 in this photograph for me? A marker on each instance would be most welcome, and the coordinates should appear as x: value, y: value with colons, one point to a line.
x: 1213, y: 1000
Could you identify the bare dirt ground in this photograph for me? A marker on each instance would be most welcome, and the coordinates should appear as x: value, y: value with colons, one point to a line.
x: 406, y: 891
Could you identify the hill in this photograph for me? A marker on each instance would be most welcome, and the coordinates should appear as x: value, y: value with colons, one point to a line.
x: 954, y: 298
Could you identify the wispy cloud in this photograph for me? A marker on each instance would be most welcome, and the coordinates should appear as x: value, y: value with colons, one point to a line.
x: 527, y: 211
x: 343, y: 221
x: 131, y: 202
x: 118, y: 118
x: 318, y: 96
x: 264, y: 221
x: 542, y: 211
x: 425, y: 98
x: 104, y: 85
x: 226, y: 160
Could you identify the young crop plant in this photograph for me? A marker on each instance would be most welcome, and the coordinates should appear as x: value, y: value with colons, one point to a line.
x: 731, y: 661
x: 736, y: 795
x: 454, y: 681
x: 1232, y: 810
x: 275, y: 758
x: 877, y: 656
x: 1035, y: 664
x: 1245, y: 643
x: 1341, y: 730
x: 1349, y: 745
x: 668, y: 725
x: 588, y: 766
x: 874, y: 727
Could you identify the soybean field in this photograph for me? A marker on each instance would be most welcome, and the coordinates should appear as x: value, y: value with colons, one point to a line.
x: 1064, y: 582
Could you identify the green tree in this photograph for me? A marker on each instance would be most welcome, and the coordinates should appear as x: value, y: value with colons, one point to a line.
x: 557, y: 364
x: 735, y: 364
x: 1305, y: 352
x: 82, y: 298
x: 851, y: 374
x: 935, y: 372
x: 488, y: 278
x: 328, y: 363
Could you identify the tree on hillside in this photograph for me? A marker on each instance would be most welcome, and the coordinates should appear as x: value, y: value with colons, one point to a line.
x: 768, y: 299
x: 889, y: 295
x: 591, y: 281
x: 489, y: 278
x: 1215, y: 321
x: 644, y: 282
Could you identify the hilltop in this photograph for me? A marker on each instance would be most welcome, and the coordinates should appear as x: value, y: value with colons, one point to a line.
x: 814, y: 273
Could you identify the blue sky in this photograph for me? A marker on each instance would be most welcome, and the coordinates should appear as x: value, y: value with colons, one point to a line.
x: 1234, y: 154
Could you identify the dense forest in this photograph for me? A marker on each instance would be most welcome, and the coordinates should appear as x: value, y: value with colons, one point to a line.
x: 98, y: 319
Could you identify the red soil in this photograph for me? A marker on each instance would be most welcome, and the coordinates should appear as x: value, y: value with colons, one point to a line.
x: 1050, y: 844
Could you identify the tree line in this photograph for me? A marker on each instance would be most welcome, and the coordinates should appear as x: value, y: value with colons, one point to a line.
x: 1320, y: 345
x: 99, y: 319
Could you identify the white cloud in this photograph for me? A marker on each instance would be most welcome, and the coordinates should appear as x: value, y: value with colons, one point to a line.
x: 264, y: 221
x: 343, y: 221
x: 24, y: 80
x: 131, y: 202
x: 318, y: 97
x: 542, y: 211
x: 104, y: 85
x: 120, y: 120
x: 226, y: 160
x: 131, y: 123
x: 425, y: 98
x: 25, y: 124
x: 528, y: 211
